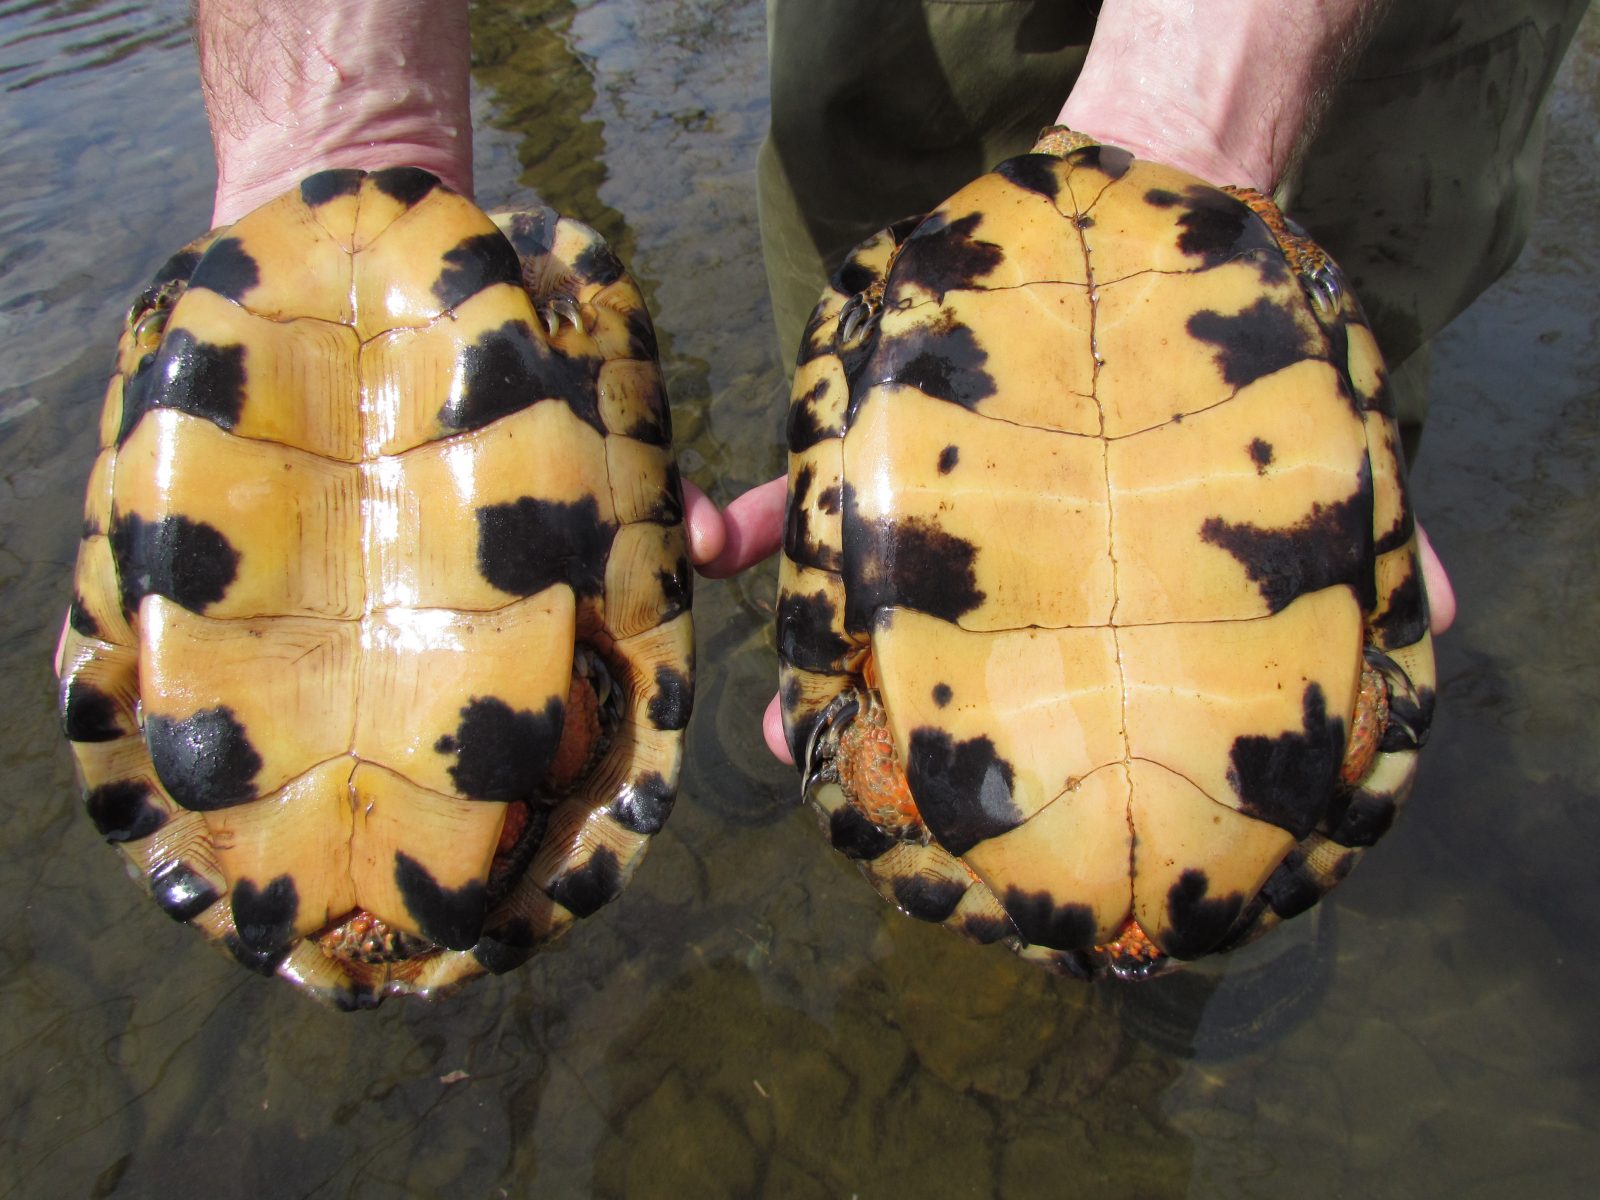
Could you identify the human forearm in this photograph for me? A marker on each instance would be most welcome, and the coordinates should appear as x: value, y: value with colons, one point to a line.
x: 1227, y: 91
x: 293, y: 86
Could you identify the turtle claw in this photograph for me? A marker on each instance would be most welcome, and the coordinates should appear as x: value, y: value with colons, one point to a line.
x: 558, y: 309
x: 1409, y: 709
x: 857, y: 318
x: 147, y: 316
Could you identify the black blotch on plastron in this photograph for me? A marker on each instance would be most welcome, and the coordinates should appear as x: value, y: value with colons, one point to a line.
x: 804, y: 430
x: 1162, y: 198
x: 1331, y: 545
x: 205, y: 761
x: 1112, y: 161
x: 1261, y: 454
x: 669, y: 707
x: 264, y: 917
x: 854, y: 835
x: 189, y: 562
x: 1254, y: 343
x: 509, y: 368
x: 180, y: 891
x: 828, y: 500
x: 599, y: 264
x: 644, y: 804
x: 1035, y: 172
x: 807, y: 637
x: 81, y: 619
x: 1043, y: 922
x: 909, y: 563
x: 1289, y: 779
x: 589, y: 888
x: 475, y: 263
x: 942, y: 694
x: 90, y: 715
x: 1197, y: 923
x: 227, y: 269
x: 502, y: 753
x: 1405, y: 616
x: 450, y: 917
x: 194, y: 377
x: 125, y: 810
x: 962, y: 789
x: 405, y: 185
x: 941, y: 359
x: 526, y: 545
x: 1217, y: 228
x: 926, y: 899
x: 318, y: 189
x: 943, y: 256
x: 948, y: 458
x: 532, y: 233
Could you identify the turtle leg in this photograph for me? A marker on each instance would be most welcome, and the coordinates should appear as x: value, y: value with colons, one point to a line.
x: 857, y: 784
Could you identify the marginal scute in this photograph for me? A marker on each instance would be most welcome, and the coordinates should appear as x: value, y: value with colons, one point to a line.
x: 527, y: 544
x: 1045, y: 921
x: 264, y: 915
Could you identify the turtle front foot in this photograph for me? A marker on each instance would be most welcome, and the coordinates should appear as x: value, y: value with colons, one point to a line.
x: 557, y: 309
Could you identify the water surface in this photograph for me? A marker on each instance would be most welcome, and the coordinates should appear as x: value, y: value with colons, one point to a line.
x: 749, y: 1019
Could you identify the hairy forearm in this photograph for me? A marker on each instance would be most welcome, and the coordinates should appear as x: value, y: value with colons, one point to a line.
x: 294, y: 86
x: 1228, y: 90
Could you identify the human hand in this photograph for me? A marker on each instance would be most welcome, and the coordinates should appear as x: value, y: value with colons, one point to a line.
x: 1231, y: 100
x: 297, y: 86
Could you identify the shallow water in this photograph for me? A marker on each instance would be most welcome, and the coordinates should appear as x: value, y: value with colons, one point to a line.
x: 748, y: 1019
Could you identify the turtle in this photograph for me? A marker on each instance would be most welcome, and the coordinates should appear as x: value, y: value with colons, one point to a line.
x: 380, y: 655
x: 1101, y: 624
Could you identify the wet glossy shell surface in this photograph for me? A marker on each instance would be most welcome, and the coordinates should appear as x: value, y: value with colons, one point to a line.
x: 377, y: 477
x: 1096, y: 503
